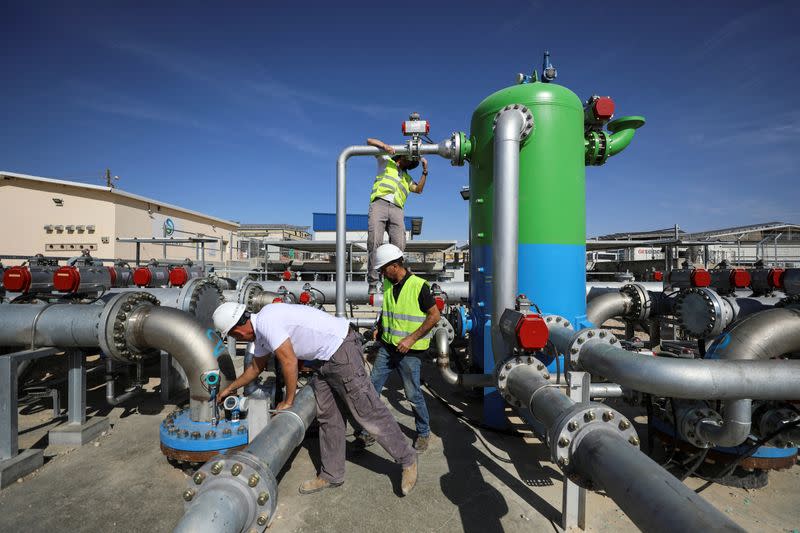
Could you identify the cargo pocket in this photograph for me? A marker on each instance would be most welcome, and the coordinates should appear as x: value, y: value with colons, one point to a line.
x: 361, y: 402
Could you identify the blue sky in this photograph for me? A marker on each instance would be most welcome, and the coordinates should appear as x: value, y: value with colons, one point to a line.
x: 240, y: 109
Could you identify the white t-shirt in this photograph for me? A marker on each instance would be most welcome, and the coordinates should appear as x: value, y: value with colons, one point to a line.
x: 315, y: 334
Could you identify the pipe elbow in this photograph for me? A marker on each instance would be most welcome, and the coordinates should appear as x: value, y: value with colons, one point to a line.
x: 441, y: 344
x: 622, y: 132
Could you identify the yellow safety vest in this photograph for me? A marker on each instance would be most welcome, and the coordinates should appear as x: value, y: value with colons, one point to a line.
x: 392, y: 181
x: 403, y: 316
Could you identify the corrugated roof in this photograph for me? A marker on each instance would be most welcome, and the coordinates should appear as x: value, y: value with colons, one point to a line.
x: 119, y: 192
x: 327, y: 222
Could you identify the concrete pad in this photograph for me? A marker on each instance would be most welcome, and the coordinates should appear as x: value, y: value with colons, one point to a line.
x: 78, y: 435
x: 21, y: 465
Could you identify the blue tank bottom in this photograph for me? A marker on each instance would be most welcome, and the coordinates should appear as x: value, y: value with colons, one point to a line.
x: 553, y: 276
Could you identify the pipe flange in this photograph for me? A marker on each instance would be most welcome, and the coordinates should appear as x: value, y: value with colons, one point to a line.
x: 114, y: 320
x: 641, y: 303
x: 445, y: 325
x: 586, y: 337
x: 789, y: 302
x: 577, y: 422
x: 527, y: 127
x: 505, y: 368
x: 244, y: 474
x: 701, y: 312
x: 557, y: 321
x: 246, y: 294
x: 200, y: 298
x: 690, y: 419
x: 772, y: 421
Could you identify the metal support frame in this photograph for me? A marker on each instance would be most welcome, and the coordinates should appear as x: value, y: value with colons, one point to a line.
x: 573, y: 501
x: 76, y: 392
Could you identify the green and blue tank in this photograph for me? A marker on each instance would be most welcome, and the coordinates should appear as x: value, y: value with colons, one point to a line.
x: 552, y: 204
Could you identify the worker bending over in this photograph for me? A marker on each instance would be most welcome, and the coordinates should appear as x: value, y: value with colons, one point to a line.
x: 389, y: 192
x: 293, y: 332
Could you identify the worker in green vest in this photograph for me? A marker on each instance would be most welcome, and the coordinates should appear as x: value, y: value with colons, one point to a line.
x: 408, y: 315
x: 389, y: 193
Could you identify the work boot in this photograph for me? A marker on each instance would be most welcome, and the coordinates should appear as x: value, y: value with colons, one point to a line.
x: 409, y: 479
x: 363, y: 441
x: 421, y: 444
x: 317, y: 484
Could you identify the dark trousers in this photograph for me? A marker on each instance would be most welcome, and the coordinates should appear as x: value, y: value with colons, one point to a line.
x: 343, y: 375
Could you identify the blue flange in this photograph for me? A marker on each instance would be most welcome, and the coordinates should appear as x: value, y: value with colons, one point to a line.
x: 179, y: 432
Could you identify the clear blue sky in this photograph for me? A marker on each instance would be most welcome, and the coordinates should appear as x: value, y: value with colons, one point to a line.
x: 239, y: 110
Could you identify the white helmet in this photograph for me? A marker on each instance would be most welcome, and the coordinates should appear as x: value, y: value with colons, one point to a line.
x: 226, y: 316
x: 385, y: 254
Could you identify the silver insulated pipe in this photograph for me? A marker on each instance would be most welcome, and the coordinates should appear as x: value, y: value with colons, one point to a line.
x: 513, y: 124
x: 238, y: 491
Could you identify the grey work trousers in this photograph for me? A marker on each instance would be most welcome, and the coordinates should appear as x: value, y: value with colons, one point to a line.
x: 344, y: 375
x: 383, y: 217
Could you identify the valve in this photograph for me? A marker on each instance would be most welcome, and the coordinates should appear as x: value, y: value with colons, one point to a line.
x: 549, y: 72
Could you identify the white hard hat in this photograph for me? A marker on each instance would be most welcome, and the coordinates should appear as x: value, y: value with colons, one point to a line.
x: 226, y: 316
x: 385, y: 254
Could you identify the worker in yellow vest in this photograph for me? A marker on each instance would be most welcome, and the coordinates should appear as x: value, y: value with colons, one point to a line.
x: 389, y: 193
x: 408, y: 315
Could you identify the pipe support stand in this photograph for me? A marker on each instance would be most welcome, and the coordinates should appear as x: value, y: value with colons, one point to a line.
x: 565, y: 436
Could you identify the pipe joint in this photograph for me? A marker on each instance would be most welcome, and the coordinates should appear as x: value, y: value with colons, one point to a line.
x: 692, y: 418
x: 566, y: 435
x: 585, y: 338
x: 702, y: 312
x: 520, y: 126
x: 641, y: 303
x: 117, y: 323
x: 243, y: 477
x: 507, y: 367
x: 774, y: 420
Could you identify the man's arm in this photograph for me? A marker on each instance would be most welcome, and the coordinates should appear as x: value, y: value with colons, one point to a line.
x: 431, y: 318
x: 381, y: 145
x: 248, y: 376
x: 418, y: 186
x: 288, y: 360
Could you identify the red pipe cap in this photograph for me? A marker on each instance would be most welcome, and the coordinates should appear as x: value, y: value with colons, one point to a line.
x: 67, y: 279
x: 305, y: 297
x: 287, y: 275
x: 604, y: 108
x: 277, y: 300
x: 740, y: 278
x: 532, y: 332
x: 658, y: 275
x: 178, y: 277
x: 439, y: 302
x: 17, y: 279
x: 142, y: 277
x: 775, y: 278
x: 700, y: 277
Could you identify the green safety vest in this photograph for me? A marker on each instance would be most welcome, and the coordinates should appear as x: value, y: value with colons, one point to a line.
x: 391, y: 181
x: 403, y: 316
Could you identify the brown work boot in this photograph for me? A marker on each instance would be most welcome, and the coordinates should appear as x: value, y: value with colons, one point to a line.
x: 317, y: 484
x: 421, y: 444
x: 409, y: 479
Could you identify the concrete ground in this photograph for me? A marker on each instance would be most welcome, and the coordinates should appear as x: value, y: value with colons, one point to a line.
x: 470, y: 480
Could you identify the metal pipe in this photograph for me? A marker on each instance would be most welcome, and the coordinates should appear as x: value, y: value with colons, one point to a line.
x: 706, y: 379
x: 652, y: 498
x: 764, y: 335
x: 60, y: 325
x: 341, y: 208
x: 607, y: 306
x: 441, y: 344
x: 229, y: 504
x: 505, y: 220
x: 177, y: 333
x: 357, y: 291
x: 605, y: 390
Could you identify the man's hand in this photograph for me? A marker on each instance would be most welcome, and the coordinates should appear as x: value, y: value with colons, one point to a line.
x: 375, y: 334
x: 389, y: 149
x: 405, y: 345
x: 424, y: 165
x: 283, y: 405
x: 227, y: 391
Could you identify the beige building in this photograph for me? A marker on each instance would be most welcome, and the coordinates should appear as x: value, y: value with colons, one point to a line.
x: 60, y: 218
